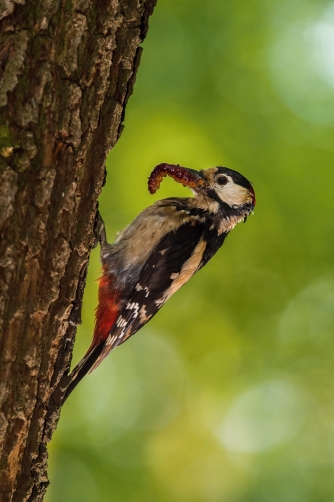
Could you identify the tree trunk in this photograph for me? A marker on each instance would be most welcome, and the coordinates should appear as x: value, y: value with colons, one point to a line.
x: 67, y: 69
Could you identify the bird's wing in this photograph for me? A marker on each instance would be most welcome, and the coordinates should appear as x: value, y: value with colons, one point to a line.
x: 174, y: 260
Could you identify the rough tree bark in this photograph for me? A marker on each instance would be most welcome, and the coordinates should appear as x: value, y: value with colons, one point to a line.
x: 67, y: 69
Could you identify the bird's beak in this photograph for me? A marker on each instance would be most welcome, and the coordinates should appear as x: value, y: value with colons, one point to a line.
x: 188, y: 177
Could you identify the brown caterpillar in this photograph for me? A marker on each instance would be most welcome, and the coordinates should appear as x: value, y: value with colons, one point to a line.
x: 187, y: 177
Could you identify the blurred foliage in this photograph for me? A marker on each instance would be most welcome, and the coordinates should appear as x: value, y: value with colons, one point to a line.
x: 227, y: 394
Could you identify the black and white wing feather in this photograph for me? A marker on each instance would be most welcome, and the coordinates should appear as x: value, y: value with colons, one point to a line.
x: 174, y: 260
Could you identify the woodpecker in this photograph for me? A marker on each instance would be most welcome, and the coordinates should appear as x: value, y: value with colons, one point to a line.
x: 164, y: 246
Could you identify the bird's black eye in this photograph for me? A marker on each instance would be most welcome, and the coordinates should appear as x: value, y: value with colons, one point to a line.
x: 222, y: 180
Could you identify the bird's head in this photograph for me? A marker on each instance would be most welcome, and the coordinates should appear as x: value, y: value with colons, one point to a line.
x: 215, y: 187
x: 226, y: 186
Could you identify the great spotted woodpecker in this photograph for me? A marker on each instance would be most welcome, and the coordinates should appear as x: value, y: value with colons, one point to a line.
x: 159, y: 251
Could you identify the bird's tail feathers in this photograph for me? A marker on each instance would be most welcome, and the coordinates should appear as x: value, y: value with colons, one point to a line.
x: 83, y: 367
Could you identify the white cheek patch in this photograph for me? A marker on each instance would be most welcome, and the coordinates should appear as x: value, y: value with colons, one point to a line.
x: 232, y: 194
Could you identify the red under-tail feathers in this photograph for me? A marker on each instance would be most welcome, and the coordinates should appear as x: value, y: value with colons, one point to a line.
x: 107, y: 310
x: 106, y: 315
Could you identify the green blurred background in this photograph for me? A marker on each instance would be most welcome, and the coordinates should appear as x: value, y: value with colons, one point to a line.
x: 228, y: 393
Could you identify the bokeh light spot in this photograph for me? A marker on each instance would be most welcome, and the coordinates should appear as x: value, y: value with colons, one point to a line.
x: 309, y: 317
x: 301, y: 69
x: 263, y: 417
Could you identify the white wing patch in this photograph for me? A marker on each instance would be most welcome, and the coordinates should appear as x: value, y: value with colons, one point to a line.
x: 110, y: 340
x: 138, y: 287
x: 121, y: 322
x: 133, y: 306
x: 187, y: 271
